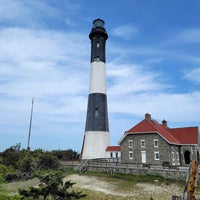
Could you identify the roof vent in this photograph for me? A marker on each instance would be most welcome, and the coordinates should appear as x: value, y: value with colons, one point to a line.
x: 148, y: 116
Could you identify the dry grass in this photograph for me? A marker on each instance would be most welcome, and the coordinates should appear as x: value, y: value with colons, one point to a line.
x: 108, y: 188
x: 12, y: 188
x: 101, y: 186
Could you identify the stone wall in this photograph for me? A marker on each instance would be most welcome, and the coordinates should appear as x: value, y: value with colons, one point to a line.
x: 177, y: 173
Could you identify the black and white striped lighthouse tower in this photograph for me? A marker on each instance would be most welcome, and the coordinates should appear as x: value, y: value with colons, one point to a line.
x: 97, y: 137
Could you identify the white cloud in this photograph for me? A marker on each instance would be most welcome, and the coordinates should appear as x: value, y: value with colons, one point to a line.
x: 51, y: 66
x: 128, y: 79
x: 11, y: 10
x: 18, y: 44
x: 134, y: 90
x: 193, y: 75
x: 172, y: 106
x: 125, y: 31
x: 190, y: 35
x: 34, y: 14
x: 183, y: 41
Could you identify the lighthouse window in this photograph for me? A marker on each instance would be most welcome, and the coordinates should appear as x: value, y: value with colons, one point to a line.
x: 97, y: 58
x: 96, y: 112
x: 98, y: 44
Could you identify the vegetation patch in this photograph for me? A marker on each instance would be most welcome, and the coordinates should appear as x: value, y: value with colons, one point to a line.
x: 126, y: 186
x: 25, y: 174
x: 37, y: 174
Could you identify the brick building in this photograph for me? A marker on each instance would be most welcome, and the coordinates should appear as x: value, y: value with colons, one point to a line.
x: 150, y: 142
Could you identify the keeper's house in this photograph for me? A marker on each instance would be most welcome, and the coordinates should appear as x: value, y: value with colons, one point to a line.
x: 150, y: 142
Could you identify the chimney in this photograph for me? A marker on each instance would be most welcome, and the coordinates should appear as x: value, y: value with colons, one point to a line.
x: 164, y: 123
x: 147, y: 116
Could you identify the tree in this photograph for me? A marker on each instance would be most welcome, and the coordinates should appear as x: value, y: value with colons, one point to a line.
x: 51, y: 187
x: 25, y: 163
x: 47, y: 161
x: 11, y: 156
x: 66, y: 155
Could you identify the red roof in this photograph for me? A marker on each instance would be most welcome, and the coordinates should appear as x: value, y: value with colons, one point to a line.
x: 113, y: 148
x: 179, y: 136
x: 187, y: 135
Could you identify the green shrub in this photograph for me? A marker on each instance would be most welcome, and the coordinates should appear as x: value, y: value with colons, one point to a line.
x: 6, y: 197
x: 51, y: 187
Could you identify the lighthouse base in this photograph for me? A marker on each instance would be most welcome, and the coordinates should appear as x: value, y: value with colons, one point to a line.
x: 95, y: 144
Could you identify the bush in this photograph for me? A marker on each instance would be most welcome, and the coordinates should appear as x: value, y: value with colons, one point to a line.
x: 11, y: 156
x: 51, y: 187
x: 25, y: 163
x: 47, y: 161
x: 6, y: 197
x: 2, y: 169
x: 66, y: 155
x: 11, y: 177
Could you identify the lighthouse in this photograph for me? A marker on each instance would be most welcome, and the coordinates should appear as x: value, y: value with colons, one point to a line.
x: 97, y: 137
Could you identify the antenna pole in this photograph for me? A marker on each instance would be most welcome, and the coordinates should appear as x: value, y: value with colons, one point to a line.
x: 29, y: 133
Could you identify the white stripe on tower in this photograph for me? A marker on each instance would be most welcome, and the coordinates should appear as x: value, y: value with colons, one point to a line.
x: 97, y: 78
x: 97, y: 137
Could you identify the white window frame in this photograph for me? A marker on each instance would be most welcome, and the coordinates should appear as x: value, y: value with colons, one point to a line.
x: 154, y: 143
x: 130, y: 155
x: 178, y: 161
x: 177, y: 156
x: 173, y: 156
x: 130, y: 143
x: 111, y: 154
x: 143, y: 142
x: 155, y: 155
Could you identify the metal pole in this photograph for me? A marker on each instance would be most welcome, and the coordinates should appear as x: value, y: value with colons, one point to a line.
x: 29, y: 133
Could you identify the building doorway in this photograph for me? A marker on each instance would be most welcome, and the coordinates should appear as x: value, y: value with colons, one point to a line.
x: 198, y: 156
x: 143, y: 155
x: 187, y: 157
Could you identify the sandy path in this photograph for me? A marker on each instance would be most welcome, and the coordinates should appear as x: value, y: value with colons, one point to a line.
x: 93, y: 183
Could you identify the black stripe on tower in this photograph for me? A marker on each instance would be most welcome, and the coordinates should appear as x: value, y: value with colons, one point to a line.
x: 98, y: 37
x: 97, y: 113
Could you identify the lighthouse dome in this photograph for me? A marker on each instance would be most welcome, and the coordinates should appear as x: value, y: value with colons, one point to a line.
x: 98, y: 23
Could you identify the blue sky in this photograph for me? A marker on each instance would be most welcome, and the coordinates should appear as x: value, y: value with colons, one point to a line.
x: 153, y: 66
